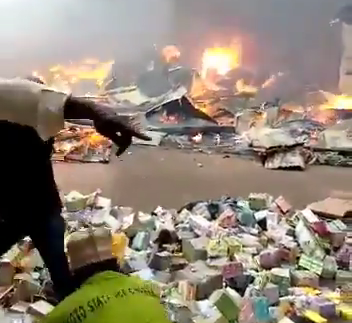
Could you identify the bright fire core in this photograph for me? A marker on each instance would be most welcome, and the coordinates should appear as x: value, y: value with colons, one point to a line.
x: 220, y: 59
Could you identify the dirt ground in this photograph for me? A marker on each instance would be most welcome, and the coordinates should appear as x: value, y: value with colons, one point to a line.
x: 147, y: 177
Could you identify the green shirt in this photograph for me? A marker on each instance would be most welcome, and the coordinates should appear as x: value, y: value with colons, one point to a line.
x: 110, y: 297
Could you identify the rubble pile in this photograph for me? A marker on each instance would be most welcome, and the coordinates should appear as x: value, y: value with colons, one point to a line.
x: 283, y: 136
x: 277, y: 149
x: 227, y: 260
x: 81, y: 143
x: 221, y: 107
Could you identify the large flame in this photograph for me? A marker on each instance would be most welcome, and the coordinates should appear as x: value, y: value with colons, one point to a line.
x: 326, y: 112
x: 337, y: 102
x: 220, y: 59
x: 170, y: 53
x: 87, y: 69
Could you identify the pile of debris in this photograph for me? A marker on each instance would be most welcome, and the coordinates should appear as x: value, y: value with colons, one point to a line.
x: 208, y: 118
x: 225, y: 260
x: 25, y: 285
x: 277, y: 149
x: 81, y: 143
x: 213, y: 109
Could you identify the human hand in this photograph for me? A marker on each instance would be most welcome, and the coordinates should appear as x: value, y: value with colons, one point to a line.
x: 120, y: 130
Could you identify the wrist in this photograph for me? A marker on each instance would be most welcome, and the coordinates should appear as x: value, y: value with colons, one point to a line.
x: 78, y: 108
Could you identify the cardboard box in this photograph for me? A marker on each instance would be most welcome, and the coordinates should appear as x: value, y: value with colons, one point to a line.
x: 205, y: 279
x: 40, y: 309
x: 332, y: 208
x: 7, y: 272
x: 195, y: 249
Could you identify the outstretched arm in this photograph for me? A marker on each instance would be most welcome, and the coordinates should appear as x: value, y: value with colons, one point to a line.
x: 118, y: 129
x: 30, y: 103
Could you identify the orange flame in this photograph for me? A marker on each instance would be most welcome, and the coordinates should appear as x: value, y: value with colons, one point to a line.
x: 88, y: 69
x: 337, y: 102
x: 96, y: 139
x: 241, y: 87
x: 38, y: 75
x: 169, y: 119
x: 326, y: 112
x: 170, y: 53
x: 220, y: 59
x: 272, y: 79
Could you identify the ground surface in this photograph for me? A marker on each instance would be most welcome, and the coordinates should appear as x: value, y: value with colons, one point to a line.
x: 148, y: 177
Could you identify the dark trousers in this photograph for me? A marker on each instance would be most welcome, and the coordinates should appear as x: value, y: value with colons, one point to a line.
x: 47, y: 235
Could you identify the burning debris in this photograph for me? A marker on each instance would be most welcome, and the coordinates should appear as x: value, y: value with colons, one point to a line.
x: 236, y: 259
x: 81, y: 144
x: 220, y: 60
x: 82, y: 78
x: 179, y: 112
x: 219, y: 108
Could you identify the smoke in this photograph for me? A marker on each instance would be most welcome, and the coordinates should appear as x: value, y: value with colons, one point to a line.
x: 38, y: 33
x: 289, y: 35
x: 286, y: 35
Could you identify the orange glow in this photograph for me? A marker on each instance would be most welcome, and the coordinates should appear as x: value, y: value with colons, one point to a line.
x: 88, y: 69
x: 169, y: 119
x: 220, y: 59
x: 337, y: 102
x: 41, y: 77
x: 241, y: 87
x: 170, y: 53
x: 96, y: 139
x: 272, y: 79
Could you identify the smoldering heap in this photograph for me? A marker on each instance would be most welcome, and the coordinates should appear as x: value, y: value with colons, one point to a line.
x: 220, y: 108
x: 227, y: 260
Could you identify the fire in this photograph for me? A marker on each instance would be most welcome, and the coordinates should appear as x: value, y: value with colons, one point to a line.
x: 326, y: 112
x: 170, y: 53
x: 337, y: 102
x: 258, y: 119
x: 271, y: 80
x: 38, y: 75
x: 197, y: 138
x: 88, y: 69
x: 96, y: 139
x: 326, y: 117
x: 169, y: 118
x: 241, y: 87
x: 220, y: 59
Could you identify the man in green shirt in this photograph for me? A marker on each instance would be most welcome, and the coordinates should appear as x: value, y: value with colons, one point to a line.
x: 104, y: 295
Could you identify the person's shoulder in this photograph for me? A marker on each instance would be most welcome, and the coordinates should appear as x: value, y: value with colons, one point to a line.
x: 18, y: 83
x: 25, y: 84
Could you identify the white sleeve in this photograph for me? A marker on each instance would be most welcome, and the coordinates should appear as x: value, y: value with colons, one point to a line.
x: 31, y: 104
x: 50, y: 112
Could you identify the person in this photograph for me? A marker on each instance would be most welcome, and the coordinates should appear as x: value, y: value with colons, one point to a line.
x: 31, y: 114
x: 104, y: 294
